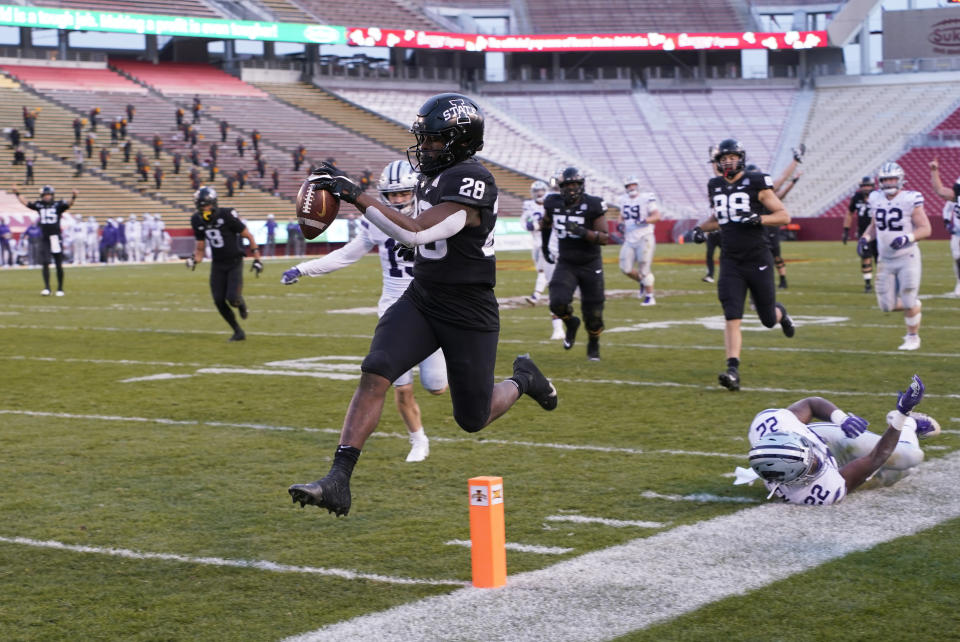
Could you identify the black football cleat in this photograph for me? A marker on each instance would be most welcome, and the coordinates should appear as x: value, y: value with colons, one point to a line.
x: 534, y: 383
x: 730, y: 379
x: 867, y: 288
x: 593, y: 349
x: 786, y: 323
x: 329, y: 493
x: 239, y: 335
x: 572, y: 325
x: 242, y: 309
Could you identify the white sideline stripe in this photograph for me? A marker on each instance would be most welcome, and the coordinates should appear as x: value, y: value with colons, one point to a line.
x: 157, y: 377
x: 395, y: 435
x: 616, y: 523
x: 521, y: 548
x: 611, y: 592
x: 284, y: 373
x: 261, y: 565
x: 700, y: 497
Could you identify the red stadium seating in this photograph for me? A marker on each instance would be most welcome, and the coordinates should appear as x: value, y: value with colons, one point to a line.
x: 186, y: 78
x: 951, y: 123
x: 163, y: 7
x: 73, y: 79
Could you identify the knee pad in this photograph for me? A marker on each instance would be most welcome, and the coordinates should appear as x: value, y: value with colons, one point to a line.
x: 914, y: 320
x: 647, y: 281
x: 593, y: 318
x: 909, y: 298
x: 866, y: 265
x: 562, y: 310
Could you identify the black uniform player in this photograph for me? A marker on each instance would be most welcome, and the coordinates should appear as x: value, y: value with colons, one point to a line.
x: 222, y: 228
x: 740, y: 201
x: 858, y: 207
x: 450, y: 303
x: 581, y: 230
x: 50, y: 212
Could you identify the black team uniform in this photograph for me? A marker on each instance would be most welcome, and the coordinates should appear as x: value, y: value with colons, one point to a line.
x: 858, y: 206
x: 49, y: 215
x: 573, y: 214
x: 222, y: 231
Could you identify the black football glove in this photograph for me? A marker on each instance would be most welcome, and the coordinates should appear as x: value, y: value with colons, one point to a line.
x: 549, y: 258
x: 575, y: 229
x: 752, y: 218
x: 191, y: 263
x: 698, y: 236
x: 405, y: 252
x: 257, y: 266
x: 330, y: 179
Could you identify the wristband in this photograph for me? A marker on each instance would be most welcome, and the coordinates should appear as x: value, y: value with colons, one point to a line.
x: 896, y: 419
x: 911, y: 237
x: 838, y: 416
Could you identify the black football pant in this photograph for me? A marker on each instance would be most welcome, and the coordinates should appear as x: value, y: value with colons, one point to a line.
x: 226, y: 286
x: 713, y: 242
x: 567, y: 277
x: 755, y: 276
x: 45, y: 256
x: 405, y: 336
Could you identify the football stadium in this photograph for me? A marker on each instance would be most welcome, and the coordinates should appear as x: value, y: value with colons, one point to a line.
x: 668, y: 295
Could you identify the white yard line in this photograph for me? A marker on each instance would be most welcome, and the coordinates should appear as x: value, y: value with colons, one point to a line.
x: 603, y: 521
x: 608, y: 593
x: 520, y: 548
x: 699, y: 497
x: 260, y: 565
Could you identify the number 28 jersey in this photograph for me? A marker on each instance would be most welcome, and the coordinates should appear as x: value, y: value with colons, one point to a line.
x: 828, y: 486
x: 893, y: 217
x: 221, y: 232
x: 731, y: 203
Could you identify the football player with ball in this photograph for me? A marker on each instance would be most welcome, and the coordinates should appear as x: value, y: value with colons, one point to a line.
x: 449, y: 304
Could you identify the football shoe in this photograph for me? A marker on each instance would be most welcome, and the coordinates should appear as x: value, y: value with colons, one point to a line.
x: 572, y: 324
x: 239, y: 335
x: 593, y: 349
x: 910, y: 342
x: 332, y: 493
x: 533, y: 383
x: 730, y: 379
x: 45, y: 292
x: 786, y: 323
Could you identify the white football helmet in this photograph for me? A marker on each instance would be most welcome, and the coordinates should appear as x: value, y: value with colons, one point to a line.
x: 786, y: 458
x: 632, y: 180
x: 398, y: 176
x: 888, y: 173
x: 538, y: 190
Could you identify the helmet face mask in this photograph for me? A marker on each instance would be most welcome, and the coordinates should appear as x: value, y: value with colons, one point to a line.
x: 204, y: 198
x: 396, y: 186
x: 571, y: 182
x: 730, y: 157
x: 538, y: 191
x: 786, y: 459
x: 866, y: 184
x: 632, y: 185
x: 448, y: 130
x: 47, y: 190
x: 890, y: 179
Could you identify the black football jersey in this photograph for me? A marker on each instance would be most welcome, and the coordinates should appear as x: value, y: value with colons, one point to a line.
x: 573, y: 249
x: 454, y: 277
x: 858, y: 206
x: 50, y: 215
x: 221, y: 232
x: 732, y: 202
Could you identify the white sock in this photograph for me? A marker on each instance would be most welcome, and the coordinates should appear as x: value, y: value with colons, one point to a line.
x: 557, y: 324
x: 541, y: 283
x: 420, y: 435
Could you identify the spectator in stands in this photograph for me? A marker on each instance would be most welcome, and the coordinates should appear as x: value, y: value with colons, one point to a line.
x: 297, y: 160
x: 194, y: 136
x: 6, y: 252
x: 78, y: 160
x: 123, y: 128
x: 241, y: 178
x: 271, y: 246
x: 177, y: 158
x: 214, y: 169
x: 131, y: 110
x: 241, y: 144
x: 145, y: 172
x: 14, y: 136
x: 194, y: 155
x: 115, y: 130
x: 255, y: 136
x: 28, y: 180
x: 194, y: 179
x: 31, y: 122
x: 92, y: 118
x: 157, y: 146
x: 91, y: 138
x: 127, y: 147
x: 104, y: 157
x: 261, y: 166
x: 366, y: 180
x: 19, y: 156
x: 158, y: 177
x: 230, y: 183
x: 224, y: 128
x: 197, y: 106
x: 214, y: 151
x: 77, y: 128
x: 179, y: 115
x: 275, y: 176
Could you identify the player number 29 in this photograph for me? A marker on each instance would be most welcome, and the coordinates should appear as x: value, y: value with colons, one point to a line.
x: 473, y: 188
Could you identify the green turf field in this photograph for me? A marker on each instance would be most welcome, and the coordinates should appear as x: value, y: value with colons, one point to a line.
x: 134, y: 433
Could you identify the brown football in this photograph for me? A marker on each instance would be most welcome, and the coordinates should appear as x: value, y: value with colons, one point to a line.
x: 316, y: 210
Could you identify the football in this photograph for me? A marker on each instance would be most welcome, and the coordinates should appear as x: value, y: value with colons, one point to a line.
x: 316, y: 210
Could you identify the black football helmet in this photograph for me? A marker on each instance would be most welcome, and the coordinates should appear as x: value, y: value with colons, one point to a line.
x: 866, y: 181
x: 751, y: 168
x: 571, y: 181
x: 205, y: 196
x: 725, y: 148
x: 454, y: 119
x: 47, y: 189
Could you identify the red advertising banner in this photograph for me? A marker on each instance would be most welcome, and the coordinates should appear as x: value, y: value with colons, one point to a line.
x: 409, y: 38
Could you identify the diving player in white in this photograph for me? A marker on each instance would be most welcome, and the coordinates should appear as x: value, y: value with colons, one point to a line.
x: 638, y: 212
x: 530, y: 219
x: 951, y: 216
x: 805, y: 461
x: 897, y: 222
x: 396, y: 185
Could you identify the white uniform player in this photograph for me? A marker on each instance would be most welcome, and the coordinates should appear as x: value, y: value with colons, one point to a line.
x: 146, y: 237
x: 158, y: 239
x: 951, y: 220
x: 134, y: 239
x: 805, y: 461
x: 638, y: 213
x: 93, y: 240
x: 897, y: 223
x: 530, y: 218
x: 396, y: 185
x: 78, y: 237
